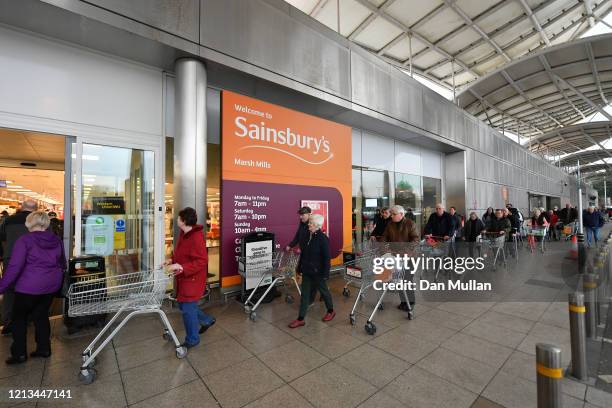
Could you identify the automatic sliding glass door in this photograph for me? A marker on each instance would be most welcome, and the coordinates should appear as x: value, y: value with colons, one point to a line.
x: 116, y: 208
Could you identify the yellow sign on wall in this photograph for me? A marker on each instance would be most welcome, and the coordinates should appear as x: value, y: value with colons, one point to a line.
x: 119, y: 235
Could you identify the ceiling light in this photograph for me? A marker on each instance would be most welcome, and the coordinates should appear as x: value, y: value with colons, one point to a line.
x: 15, y: 186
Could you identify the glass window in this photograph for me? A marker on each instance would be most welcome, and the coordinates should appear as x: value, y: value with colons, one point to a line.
x: 432, y: 194
x: 375, y: 188
x: 408, y: 194
x: 213, y: 205
x: 118, y: 207
x: 356, y: 223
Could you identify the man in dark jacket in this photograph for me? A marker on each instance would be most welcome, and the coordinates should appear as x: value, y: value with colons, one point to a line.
x: 302, y: 234
x: 314, y: 265
x: 568, y: 214
x: 516, y: 217
x: 440, y: 224
x: 301, y: 237
x: 473, y: 227
x: 500, y: 224
x: 456, y: 220
x: 381, y: 224
x: 12, y: 228
x: 592, y: 221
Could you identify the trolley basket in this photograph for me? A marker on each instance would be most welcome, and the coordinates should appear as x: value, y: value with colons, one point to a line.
x: 282, y: 267
x: 136, y: 293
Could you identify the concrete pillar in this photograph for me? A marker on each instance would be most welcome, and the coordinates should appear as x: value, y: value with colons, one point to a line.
x: 190, y: 138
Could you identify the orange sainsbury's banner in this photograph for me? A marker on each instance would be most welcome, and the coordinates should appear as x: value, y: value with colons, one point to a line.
x: 272, y: 159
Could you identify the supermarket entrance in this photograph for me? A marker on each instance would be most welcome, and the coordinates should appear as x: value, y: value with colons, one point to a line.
x: 32, y: 167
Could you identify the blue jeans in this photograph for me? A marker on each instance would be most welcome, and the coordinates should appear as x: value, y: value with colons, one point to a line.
x: 193, y: 317
x: 590, y: 233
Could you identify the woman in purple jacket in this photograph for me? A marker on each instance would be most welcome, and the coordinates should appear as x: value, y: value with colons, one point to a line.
x: 36, y: 273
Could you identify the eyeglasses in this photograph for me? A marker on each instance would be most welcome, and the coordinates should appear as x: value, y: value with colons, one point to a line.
x: 395, y: 213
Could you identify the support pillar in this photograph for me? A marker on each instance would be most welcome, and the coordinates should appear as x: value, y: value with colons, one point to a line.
x: 190, y: 138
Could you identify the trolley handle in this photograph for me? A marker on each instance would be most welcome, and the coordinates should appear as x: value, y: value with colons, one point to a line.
x: 438, y: 237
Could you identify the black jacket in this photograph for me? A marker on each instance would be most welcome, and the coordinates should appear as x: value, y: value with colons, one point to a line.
x: 315, y: 259
x: 11, y: 230
x: 514, y: 221
x: 381, y: 224
x: 514, y: 218
x: 301, y: 236
x: 566, y: 216
x: 440, y: 226
x: 500, y: 224
x: 487, y: 218
x: 456, y: 221
x: 472, y: 229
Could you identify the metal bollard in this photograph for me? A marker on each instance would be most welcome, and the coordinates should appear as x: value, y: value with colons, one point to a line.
x: 589, y: 284
x: 550, y: 373
x: 599, y: 286
x: 578, y: 335
x: 581, y: 253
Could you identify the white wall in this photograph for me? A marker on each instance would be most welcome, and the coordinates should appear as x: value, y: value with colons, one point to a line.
x: 383, y: 153
x: 42, y: 79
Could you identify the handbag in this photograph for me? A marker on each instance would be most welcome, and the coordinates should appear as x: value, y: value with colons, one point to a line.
x: 63, y: 291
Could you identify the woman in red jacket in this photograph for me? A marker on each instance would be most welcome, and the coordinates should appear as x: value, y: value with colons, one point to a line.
x: 189, y: 265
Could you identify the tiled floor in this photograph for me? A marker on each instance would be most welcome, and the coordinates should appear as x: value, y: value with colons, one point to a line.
x: 454, y: 354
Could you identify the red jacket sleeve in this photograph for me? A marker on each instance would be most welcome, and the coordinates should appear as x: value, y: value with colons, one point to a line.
x: 197, y: 256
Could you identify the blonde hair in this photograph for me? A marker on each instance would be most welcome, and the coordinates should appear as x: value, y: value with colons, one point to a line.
x: 37, y: 219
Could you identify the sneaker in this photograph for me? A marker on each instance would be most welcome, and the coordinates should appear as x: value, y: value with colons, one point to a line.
x: 188, y: 346
x: 205, y: 327
x: 403, y: 306
x: 296, y: 323
x: 329, y: 316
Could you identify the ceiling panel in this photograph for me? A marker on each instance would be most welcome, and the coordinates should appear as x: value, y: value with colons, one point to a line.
x: 378, y: 34
x: 411, y: 11
x: 444, y: 22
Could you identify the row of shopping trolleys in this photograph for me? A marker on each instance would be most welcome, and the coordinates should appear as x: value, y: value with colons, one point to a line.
x: 281, y: 269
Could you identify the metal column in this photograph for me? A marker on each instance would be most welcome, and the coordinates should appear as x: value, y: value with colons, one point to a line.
x: 190, y: 138
x: 578, y: 335
x: 550, y: 374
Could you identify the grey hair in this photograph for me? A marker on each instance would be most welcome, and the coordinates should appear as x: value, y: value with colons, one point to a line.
x: 398, y: 209
x: 29, y: 205
x: 37, y: 219
x: 317, y: 220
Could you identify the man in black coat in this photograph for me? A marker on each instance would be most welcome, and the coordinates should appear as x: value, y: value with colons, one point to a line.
x: 381, y: 223
x: 440, y: 224
x: 301, y: 235
x: 11, y: 230
x: 301, y: 238
x: 568, y: 214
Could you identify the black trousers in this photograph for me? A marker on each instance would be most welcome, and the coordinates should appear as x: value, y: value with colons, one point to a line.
x: 308, y: 284
x: 36, y: 308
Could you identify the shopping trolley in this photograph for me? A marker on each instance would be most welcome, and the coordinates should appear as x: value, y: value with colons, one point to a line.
x: 364, y: 266
x: 494, y: 243
x: 533, y: 233
x: 137, y: 293
x: 281, y: 267
x: 435, y: 247
x: 356, y: 258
